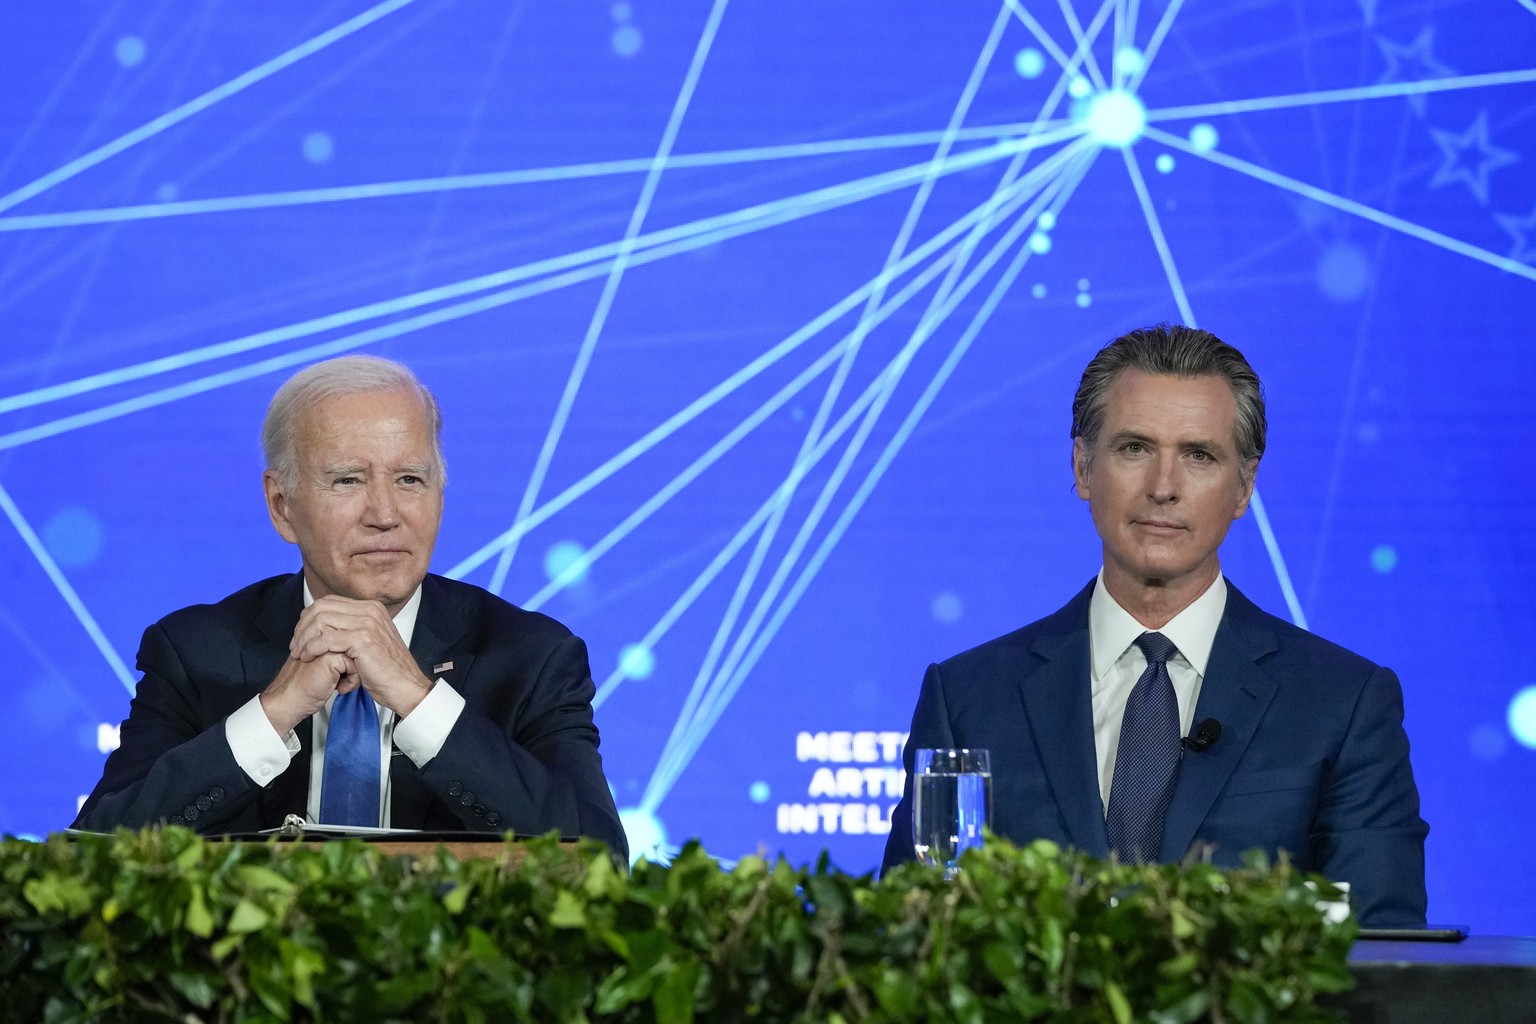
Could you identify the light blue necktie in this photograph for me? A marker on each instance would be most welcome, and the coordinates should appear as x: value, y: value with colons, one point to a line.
x: 1147, y: 760
x: 349, y: 789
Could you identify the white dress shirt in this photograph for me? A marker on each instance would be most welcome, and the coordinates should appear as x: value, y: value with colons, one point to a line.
x: 1118, y: 663
x: 264, y: 755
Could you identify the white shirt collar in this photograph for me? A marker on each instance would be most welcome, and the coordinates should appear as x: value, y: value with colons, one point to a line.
x: 405, y: 618
x: 1112, y: 629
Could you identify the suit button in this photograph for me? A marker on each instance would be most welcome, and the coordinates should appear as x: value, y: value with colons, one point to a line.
x: 466, y: 798
x: 455, y: 788
x: 204, y: 802
x: 216, y: 794
x: 189, y: 812
x: 479, y: 810
x: 493, y: 819
x: 176, y: 819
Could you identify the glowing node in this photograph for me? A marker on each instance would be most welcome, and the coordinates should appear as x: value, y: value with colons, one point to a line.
x: 1204, y: 138
x: 637, y: 661
x: 1165, y: 163
x: 130, y: 51
x: 1029, y: 62
x: 318, y: 147
x: 1129, y: 60
x: 560, y: 558
x: 1344, y: 272
x: 1084, y: 300
x: 1116, y: 118
x: 1083, y: 284
x: 947, y: 607
x: 1384, y: 558
x: 1038, y: 291
x: 73, y: 536
x: 1046, y: 220
x: 1039, y: 243
x: 1079, y: 88
x: 646, y: 834
x: 1522, y: 717
x: 627, y: 40
x: 759, y: 792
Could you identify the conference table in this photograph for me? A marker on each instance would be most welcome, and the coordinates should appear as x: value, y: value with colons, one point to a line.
x: 1483, y: 979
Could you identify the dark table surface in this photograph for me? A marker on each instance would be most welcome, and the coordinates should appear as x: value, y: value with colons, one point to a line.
x: 1486, y: 950
x: 1484, y: 979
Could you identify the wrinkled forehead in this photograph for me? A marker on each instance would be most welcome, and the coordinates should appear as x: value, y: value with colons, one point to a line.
x: 368, y: 422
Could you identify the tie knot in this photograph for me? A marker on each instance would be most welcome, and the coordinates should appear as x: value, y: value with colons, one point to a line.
x: 1156, y: 647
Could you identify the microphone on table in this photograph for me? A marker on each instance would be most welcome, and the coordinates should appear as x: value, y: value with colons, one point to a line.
x: 1206, y: 733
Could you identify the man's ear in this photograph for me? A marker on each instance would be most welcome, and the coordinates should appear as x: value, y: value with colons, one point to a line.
x: 1250, y: 473
x: 277, y: 506
x: 1081, y: 454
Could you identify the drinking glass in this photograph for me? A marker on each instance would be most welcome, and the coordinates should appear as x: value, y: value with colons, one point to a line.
x: 951, y: 801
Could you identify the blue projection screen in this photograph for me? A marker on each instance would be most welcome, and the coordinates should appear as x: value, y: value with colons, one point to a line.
x: 756, y: 326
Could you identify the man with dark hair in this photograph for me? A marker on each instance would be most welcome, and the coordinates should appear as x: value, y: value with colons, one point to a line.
x: 361, y: 691
x: 1297, y: 745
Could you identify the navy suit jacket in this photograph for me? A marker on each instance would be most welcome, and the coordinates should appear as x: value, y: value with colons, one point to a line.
x: 522, y: 755
x: 1312, y: 757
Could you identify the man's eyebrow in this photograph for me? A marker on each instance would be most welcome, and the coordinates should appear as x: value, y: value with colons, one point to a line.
x: 344, y: 470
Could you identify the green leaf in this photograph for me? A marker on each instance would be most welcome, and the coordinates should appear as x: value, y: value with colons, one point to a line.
x: 199, y: 920
x: 569, y: 911
x: 674, y: 997
x: 1119, y: 1006
x: 247, y: 917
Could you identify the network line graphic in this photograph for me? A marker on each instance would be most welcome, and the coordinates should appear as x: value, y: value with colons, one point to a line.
x: 756, y: 379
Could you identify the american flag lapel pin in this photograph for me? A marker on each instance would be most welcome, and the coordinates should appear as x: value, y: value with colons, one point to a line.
x: 439, y: 669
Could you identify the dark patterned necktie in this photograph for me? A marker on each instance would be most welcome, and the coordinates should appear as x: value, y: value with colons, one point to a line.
x: 349, y: 788
x: 1147, y: 760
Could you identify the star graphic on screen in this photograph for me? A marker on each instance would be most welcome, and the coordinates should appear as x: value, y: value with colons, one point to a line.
x: 1413, y: 63
x: 1523, y: 231
x: 1470, y: 158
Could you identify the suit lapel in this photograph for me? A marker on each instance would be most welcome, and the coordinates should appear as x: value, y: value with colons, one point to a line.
x: 1058, y: 699
x: 261, y: 662
x: 440, y: 626
x: 1236, y: 692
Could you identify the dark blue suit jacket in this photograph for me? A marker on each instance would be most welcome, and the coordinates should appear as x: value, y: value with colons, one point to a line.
x: 1312, y: 757
x: 522, y: 756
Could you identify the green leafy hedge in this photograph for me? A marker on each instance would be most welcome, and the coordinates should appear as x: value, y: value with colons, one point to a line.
x: 167, y: 926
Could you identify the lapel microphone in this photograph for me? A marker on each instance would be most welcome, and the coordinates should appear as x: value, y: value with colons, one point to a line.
x: 1206, y: 733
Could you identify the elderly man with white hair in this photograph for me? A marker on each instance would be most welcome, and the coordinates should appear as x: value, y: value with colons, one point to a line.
x: 362, y: 690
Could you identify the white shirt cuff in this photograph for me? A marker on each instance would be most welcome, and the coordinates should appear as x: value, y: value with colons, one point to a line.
x: 422, y: 733
x: 259, y: 751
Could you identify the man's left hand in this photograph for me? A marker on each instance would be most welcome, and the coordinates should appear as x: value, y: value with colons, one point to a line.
x: 364, y: 632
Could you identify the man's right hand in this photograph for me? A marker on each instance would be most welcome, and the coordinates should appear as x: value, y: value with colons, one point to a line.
x: 303, y: 687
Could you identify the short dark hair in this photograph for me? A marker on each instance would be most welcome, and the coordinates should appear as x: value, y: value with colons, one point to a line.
x: 1178, y: 351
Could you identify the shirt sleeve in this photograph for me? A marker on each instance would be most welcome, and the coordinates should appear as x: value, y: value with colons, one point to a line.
x: 421, y: 734
x: 259, y: 751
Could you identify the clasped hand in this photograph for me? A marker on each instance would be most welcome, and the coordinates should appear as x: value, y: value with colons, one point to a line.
x: 338, y: 645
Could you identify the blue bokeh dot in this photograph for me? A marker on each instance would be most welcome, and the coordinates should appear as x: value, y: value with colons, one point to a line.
x: 1039, y: 243
x: 627, y: 40
x: 947, y: 607
x: 1046, y: 221
x: 73, y: 536
x: 318, y: 147
x: 1384, y: 558
x: 621, y: 11
x: 1029, y: 62
x: 1344, y: 272
x: 759, y: 792
x: 1522, y: 717
x: 1038, y: 291
x: 560, y: 557
x: 1204, y: 138
x: 130, y: 51
x: 1165, y: 163
x: 1084, y: 300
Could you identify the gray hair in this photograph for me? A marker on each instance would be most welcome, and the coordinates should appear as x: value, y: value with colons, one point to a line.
x: 345, y: 375
x: 1178, y: 351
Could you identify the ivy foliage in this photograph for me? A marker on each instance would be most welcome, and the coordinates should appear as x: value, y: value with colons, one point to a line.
x: 164, y: 925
